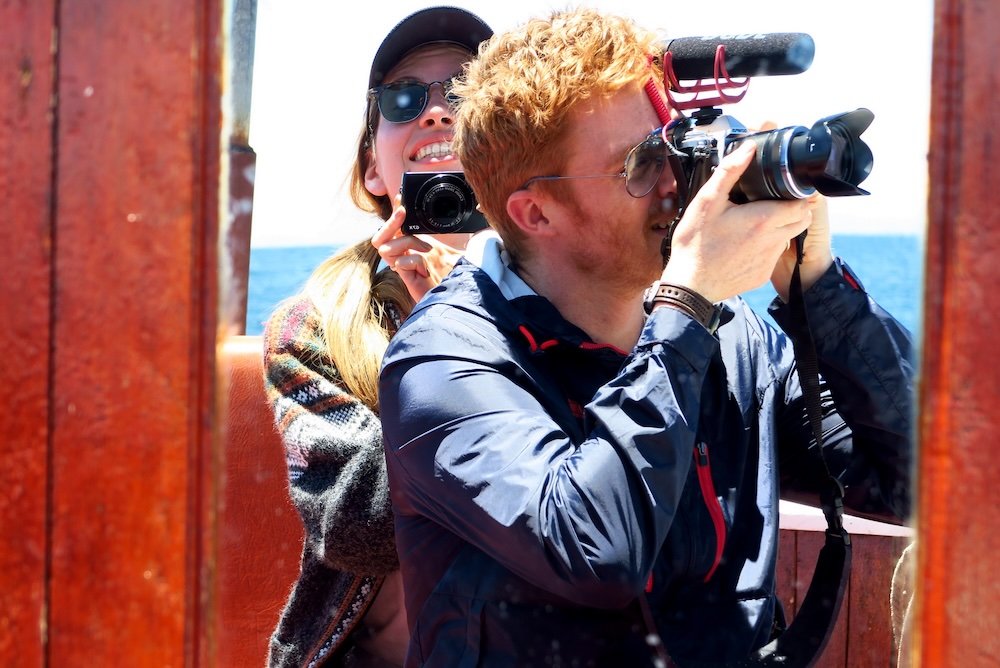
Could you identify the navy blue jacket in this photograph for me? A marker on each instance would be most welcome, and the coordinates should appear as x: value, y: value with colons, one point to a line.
x: 542, y: 482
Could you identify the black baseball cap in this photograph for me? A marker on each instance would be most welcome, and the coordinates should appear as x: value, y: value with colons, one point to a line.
x: 434, y: 24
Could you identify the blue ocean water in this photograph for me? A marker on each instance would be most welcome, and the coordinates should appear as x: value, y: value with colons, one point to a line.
x: 890, y: 267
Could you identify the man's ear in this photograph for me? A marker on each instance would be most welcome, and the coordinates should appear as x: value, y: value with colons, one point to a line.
x: 527, y: 210
x: 373, y: 180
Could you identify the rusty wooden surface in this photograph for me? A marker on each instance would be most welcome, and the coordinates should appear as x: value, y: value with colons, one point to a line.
x: 862, y: 637
x: 958, y: 600
x: 26, y: 197
x: 807, y: 547
x: 110, y: 149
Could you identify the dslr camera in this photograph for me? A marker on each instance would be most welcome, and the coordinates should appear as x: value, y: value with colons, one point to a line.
x: 439, y: 203
x: 790, y: 163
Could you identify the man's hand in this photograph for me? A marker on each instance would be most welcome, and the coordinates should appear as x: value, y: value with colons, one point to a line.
x: 421, y: 262
x: 720, y: 249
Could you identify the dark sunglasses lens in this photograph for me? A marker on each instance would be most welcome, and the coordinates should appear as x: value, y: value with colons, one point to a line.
x: 644, y: 165
x: 400, y: 103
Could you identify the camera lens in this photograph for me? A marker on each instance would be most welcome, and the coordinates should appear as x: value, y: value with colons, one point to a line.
x: 840, y: 162
x: 442, y: 206
x: 772, y: 174
x: 795, y: 162
x: 444, y: 202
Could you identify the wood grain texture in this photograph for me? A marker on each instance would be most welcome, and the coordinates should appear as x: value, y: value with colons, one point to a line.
x: 26, y: 198
x: 958, y: 599
x: 134, y: 287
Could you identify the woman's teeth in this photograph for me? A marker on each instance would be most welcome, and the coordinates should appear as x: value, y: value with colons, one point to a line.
x: 441, y: 149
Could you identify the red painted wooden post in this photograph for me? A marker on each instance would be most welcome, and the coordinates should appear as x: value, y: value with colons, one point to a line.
x: 109, y: 341
x: 26, y: 196
x: 958, y: 591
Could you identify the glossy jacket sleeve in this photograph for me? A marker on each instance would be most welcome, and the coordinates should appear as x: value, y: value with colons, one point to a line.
x: 865, y: 359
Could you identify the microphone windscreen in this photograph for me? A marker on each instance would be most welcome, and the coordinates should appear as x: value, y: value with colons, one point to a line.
x: 752, y: 55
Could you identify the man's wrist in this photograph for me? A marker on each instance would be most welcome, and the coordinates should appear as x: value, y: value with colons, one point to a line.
x: 683, y: 299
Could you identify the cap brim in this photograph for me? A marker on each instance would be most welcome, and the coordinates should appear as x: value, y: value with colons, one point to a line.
x: 435, y: 24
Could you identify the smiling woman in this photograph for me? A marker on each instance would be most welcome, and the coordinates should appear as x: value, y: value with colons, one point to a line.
x: 323, y: 348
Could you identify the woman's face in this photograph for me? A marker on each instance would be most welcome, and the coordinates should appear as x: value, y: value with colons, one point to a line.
x: 423, y: 144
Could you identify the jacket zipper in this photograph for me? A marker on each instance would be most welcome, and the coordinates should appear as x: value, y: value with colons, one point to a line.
x: 712, y: 502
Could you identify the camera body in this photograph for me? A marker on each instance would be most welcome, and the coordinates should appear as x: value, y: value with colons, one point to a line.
x: 439, y: 203
x: 790, y: 163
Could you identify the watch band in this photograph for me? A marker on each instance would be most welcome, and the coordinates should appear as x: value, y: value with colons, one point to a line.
x: 684, y: 299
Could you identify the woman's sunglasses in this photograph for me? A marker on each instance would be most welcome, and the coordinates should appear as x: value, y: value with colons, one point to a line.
x: 643, y: 165
x: 404, y: 101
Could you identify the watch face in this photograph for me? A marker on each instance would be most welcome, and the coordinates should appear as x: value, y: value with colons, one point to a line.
x: 647, y: 297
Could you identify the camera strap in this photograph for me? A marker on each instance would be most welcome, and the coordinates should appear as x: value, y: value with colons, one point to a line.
x: 802, y: 643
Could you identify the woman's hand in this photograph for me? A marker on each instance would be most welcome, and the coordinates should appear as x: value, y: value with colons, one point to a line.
x: 420, y: 261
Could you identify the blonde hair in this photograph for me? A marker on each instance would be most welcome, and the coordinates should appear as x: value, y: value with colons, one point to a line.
x: 516, y: 96
x: 359, y: 309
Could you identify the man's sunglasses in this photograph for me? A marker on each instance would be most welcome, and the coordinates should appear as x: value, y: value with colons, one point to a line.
x: 643, y: 165
x: 404, y: 101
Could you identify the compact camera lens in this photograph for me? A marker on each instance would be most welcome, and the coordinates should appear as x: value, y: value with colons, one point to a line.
x: 442, y: 205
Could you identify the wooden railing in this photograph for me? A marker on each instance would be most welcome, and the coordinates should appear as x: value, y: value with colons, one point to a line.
x: 261, y: 535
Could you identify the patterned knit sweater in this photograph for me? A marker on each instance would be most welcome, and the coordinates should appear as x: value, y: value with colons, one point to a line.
x: 337, y: 481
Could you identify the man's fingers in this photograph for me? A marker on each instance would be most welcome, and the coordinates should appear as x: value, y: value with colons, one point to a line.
x: 729, y: 171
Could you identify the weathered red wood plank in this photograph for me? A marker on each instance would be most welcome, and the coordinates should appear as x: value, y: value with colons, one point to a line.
x: 786, y: 572
x: 958, y: 588
x: 25, y: 244
x: 134, y: 292
x: 869, y: 623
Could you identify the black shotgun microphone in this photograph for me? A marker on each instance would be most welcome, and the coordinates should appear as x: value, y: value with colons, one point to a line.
x: 749, y: 55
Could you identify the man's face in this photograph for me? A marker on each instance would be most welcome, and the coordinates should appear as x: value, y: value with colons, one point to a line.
x: 606, y: 232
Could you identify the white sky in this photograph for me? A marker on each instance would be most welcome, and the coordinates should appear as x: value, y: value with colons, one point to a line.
x: 311, y: 69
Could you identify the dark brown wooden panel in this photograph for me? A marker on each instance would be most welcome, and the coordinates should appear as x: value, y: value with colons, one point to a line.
x: 786, y: 572
x: 26, y: 195
x: 809, y: 544
x: 869, y: 626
